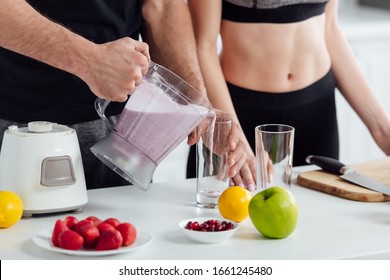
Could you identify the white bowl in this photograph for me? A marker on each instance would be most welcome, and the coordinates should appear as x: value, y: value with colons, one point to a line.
x: 208, y: 236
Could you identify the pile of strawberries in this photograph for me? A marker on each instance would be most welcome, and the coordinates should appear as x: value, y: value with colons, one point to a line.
x: 92, y: 233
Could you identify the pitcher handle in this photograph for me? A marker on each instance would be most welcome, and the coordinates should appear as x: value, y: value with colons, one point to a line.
x: 100, y: 107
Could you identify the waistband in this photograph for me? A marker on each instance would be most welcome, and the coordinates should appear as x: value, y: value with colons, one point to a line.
x: 284, y: 14
x: 324, y: 87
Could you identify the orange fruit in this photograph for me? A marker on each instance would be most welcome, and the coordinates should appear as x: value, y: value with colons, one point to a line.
x: 233, y: 203
x: 11, y: 209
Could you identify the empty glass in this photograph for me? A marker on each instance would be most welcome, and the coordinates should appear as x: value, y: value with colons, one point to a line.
x: 274, y: 155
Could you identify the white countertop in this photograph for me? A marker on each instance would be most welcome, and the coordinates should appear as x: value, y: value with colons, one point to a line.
x: 329, y: 227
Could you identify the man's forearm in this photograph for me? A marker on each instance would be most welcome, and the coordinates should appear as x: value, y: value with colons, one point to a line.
x: 25, y: 31
x: 168, y: 31
x: 111, y: 70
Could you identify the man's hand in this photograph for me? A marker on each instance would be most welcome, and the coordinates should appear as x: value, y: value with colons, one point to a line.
x: 111, y: 70
x: 116, y: 68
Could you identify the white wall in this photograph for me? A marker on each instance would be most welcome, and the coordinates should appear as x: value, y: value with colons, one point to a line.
x: 368, y: 31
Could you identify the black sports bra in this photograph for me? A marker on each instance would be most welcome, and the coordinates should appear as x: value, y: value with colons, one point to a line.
x: 271, y: 11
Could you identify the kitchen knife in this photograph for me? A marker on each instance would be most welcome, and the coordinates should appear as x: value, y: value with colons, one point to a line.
x: 334, y: 166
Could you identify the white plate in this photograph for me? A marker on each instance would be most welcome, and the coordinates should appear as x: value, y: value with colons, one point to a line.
x: 43, y: 240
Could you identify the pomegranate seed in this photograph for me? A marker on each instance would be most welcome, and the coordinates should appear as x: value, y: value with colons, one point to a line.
x: 209, y: 226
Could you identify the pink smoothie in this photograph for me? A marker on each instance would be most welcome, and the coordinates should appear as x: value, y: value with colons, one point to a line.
x: 155, y: 124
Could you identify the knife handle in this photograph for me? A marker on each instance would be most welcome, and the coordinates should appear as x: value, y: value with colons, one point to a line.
x: 326, y: 163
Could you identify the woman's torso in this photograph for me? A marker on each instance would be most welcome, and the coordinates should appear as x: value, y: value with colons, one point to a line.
x: 274, y: 57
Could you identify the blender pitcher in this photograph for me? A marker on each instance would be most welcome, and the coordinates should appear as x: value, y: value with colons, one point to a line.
x: 158, y: 116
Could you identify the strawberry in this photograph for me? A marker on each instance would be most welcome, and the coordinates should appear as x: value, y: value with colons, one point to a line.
x: 70, y: 240
x: 59, y: 228
x: 70, y: 221
x: 112, y: 221
x: 94, y: 219
x: 128, y: 232
x: 90, y: 234
x: 77, y: 227
x: 109, y: 240
x: 104, y: 226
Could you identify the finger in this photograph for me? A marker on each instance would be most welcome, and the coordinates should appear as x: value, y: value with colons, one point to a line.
x: 237, y: 180
x: 237, y: 154
x: 270, y: 171
x: 247, y: 176
x: 142, y: 48
x: 137, y: 81
x: 234, y: 136
x: 121, y: 97
x: 145, y: 68
x: 192, y: 138
x: 253, y: 168
x: 235, y: 168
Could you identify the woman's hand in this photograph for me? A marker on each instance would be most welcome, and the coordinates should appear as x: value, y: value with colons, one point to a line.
x: 242, y: 160
x: 246, y: 177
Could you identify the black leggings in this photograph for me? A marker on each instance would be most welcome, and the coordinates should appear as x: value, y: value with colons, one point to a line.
x: 312, y: 111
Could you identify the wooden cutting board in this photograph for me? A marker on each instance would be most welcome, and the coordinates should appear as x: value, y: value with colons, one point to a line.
x: 320, y: 180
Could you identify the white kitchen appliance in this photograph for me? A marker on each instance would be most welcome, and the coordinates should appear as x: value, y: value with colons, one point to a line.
x: 42, y: 164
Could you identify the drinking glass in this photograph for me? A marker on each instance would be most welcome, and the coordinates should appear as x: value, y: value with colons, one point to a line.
x: 211, y: 160
x: 274, y: 155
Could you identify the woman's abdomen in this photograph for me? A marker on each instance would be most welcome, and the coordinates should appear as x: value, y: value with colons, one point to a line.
x: 274, y: 57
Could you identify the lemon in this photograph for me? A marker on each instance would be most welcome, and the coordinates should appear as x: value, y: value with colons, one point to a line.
x: 11, y: 209
x: 233, y: 203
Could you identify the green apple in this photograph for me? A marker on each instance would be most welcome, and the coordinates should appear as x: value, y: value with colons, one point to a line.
x: 274, y: 212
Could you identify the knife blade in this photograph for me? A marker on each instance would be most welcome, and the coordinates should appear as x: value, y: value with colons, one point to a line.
x: 347, y: 173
